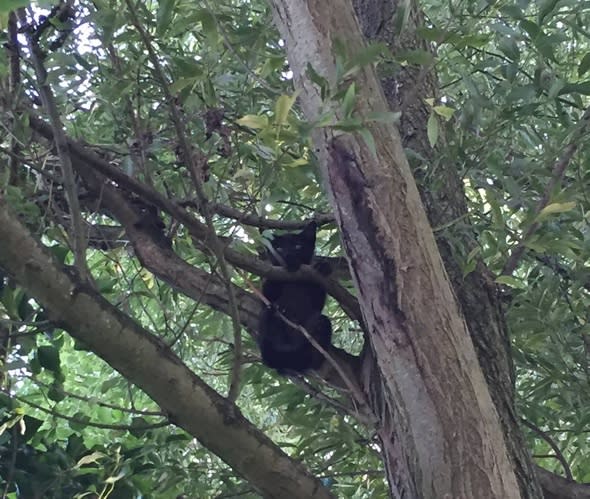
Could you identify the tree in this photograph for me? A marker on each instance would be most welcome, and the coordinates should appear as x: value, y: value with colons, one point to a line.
x: 213, y: 140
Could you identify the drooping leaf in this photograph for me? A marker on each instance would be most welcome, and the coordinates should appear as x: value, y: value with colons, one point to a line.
x: 553, y: 208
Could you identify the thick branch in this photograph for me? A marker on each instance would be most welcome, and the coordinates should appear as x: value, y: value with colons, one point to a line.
x: 148, y: 362
x: 197, y: 229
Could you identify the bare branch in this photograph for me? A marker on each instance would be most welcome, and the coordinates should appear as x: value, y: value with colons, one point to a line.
x: 267, y: 223
x: 558, y: 454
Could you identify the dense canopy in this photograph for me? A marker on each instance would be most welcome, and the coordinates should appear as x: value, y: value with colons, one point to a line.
x: 153, y: 145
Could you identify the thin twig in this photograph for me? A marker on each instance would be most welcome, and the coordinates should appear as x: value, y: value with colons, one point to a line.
x: 104, y: 426
x: 76, y: 230
x: 558, y: 454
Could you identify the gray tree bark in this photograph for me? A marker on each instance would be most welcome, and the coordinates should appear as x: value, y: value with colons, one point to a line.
x: 444, y: 200
x: 436, y: 445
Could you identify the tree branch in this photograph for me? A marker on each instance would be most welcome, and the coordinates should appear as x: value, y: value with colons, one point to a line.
x: 146, y: 361
x: 558, y: 454
x: 77, y: 232
x: 197, y: 229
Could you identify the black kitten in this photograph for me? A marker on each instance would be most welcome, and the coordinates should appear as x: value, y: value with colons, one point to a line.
x: 285, y: 348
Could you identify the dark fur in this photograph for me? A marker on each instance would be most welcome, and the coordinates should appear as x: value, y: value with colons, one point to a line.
x: 285, y: 348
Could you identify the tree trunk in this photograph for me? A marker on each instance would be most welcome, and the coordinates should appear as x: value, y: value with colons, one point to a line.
x: 436, y: 445
x: 444, y: 200
x: 432, y: 409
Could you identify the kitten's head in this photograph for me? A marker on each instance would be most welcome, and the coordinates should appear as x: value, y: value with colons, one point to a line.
x: 293, y: 250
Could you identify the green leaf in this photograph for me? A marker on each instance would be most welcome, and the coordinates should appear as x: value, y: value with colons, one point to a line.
x: 188, y: 67
x: 8, y: 5
x: 209, y: 25
x: 513, y: 11
x: 108, y: 384
x: 512, y: 282
x: 433, y: 34
x: 509, y: 48
x: 106, y: 18
x: 320, y: 81
x: 553, y: 208
x: 545, y: 8
x: 444, y: 111
x: 182, y: 83
x: 253, y: 121
x: 432, y: 129
x: 530, y: 27
x: 555, y: 88
x: 349, y: 100
x: 369, y: 140
x: 164, y: 15
x: 371, y: 54
x: 349, y: 125
x: 584, y: 65
x: 48, y: 357
x: 283, y: 107
x: 417, y: 57
x: 573, y: 88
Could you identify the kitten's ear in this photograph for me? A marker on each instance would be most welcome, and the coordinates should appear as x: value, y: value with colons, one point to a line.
x: 310, y: 229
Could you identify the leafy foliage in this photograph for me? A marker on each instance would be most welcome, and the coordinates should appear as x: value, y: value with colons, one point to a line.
x: 516, y: 74
x: 514, y: 86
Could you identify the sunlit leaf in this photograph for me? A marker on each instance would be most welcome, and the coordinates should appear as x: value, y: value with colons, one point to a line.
x: 553, y: 208
x: 283, y: 107
x: 91, y: 458
x: 444, y: 111
x: 253, y: 121
x: 511, y: 282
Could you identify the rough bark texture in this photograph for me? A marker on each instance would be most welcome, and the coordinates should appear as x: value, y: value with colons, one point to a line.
x: 149, y: 363
x: 444, y: 203
x: 444, y: 200
x: 436, y: 444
